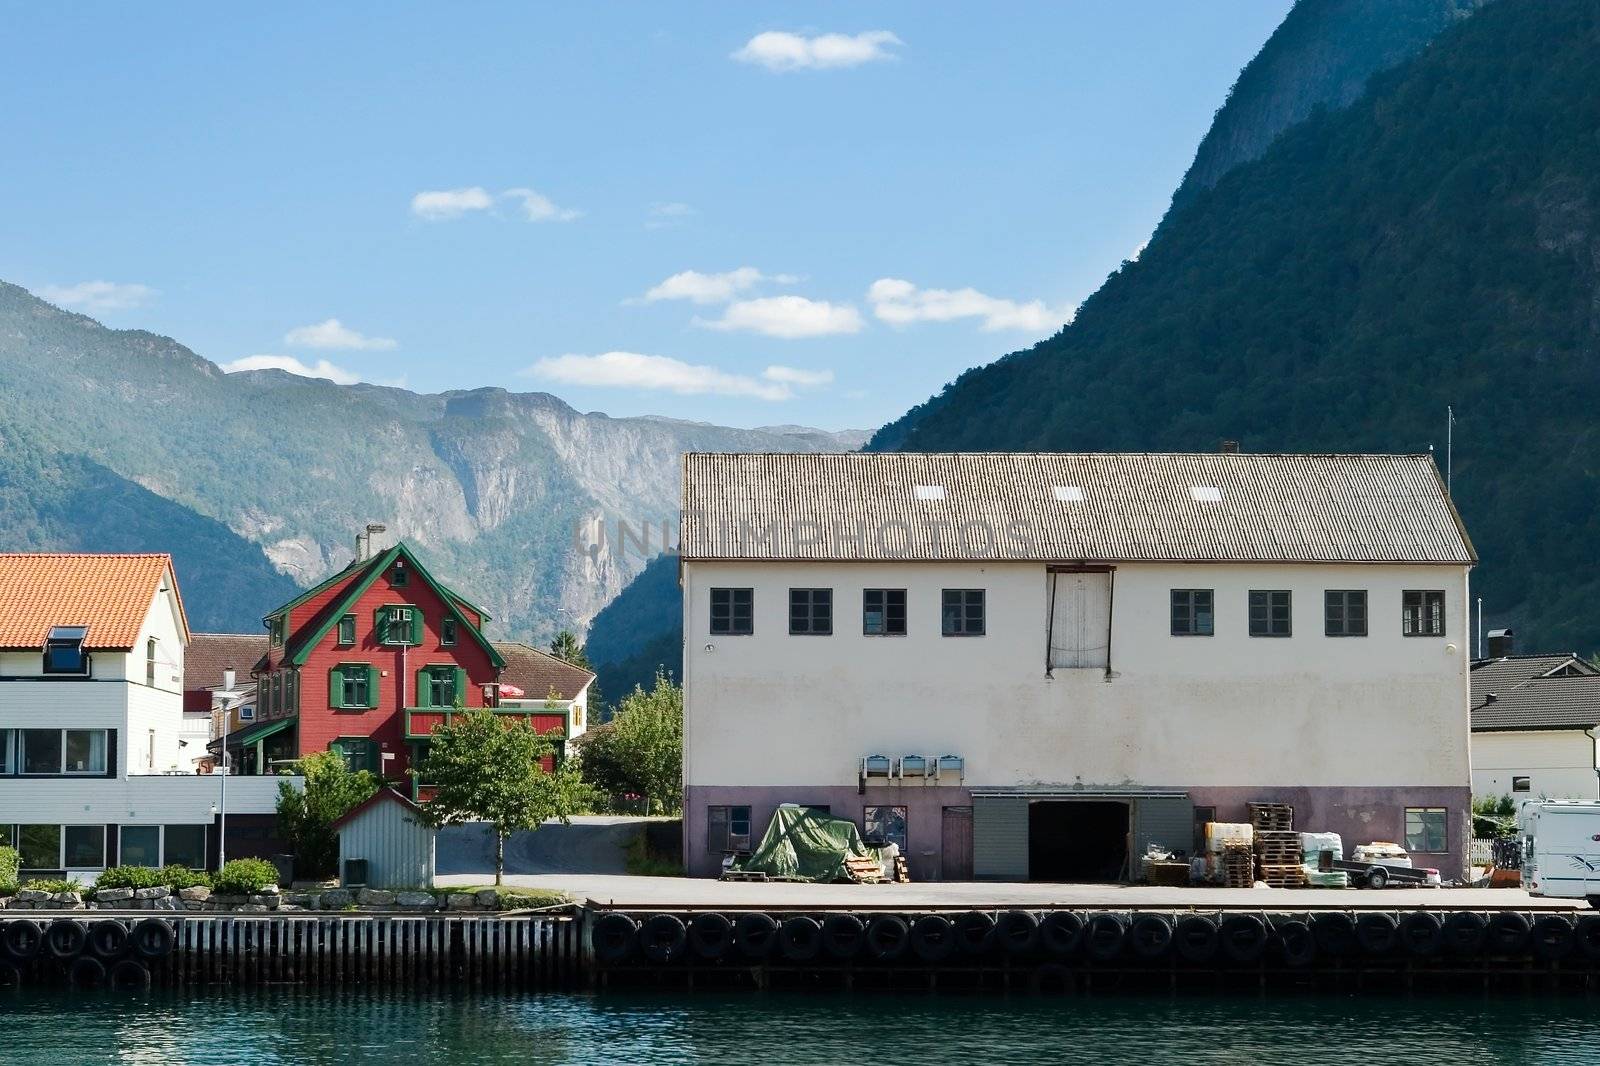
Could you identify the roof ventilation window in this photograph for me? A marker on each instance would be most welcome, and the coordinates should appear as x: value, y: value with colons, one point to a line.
x: 63, y: 650
x: 1205, y: 493
x: 1068, y: 493
x: 928, y: 492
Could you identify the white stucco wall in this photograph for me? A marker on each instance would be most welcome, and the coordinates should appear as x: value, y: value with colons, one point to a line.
x: 1560, y: 764
x: 1309, y: 710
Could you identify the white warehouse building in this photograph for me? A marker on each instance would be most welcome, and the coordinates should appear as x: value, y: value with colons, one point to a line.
x: 1031, y: 666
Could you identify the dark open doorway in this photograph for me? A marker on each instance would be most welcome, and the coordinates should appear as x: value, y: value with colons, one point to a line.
x: 1077, y: 840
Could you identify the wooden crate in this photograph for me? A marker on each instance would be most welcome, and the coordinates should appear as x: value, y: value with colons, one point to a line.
x: 1271, y: 816
x: 1238, y: 866
x: 1281, y: 876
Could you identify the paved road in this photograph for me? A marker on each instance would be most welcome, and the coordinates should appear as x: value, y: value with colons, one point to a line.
x: 592, y: 844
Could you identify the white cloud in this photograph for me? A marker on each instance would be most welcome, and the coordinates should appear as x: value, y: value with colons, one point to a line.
x: 788, y: 317
x: 792, y: 51
x: 789, y: 375
x: 713, y: 288
x: 631, y: 370
x: 899, y: 303
x: 322, y: 368
x: 670, y: 214
x: 98, y: 295
x: 536, y: 207
x: 336, y: 335
x: 440, y: 205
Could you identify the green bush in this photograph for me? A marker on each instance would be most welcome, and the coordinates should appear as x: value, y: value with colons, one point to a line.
x: 244, y: 877
x: 178, y: 878
x: 10, y: 863
x: 173, y: 877
x: 54, y: 884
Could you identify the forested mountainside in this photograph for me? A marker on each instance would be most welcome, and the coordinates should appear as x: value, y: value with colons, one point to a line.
x: 489, y: 485
x: 1434, y: 243
x: 640, y: 632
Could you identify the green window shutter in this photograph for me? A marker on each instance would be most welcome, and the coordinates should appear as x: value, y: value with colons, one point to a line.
x: 380, y: 625
x: 424, y: 690
x: 416, y: 627
x: 372, y: 686
x: 335, y: 688
x: 461, y: 686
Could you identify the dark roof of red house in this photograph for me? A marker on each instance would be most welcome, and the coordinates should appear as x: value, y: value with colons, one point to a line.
x: 539, y: 674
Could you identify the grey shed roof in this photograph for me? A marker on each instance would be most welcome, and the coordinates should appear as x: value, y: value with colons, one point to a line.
x: 1070, y: 507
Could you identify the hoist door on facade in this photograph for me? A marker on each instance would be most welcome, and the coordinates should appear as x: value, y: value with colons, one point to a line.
x: 1080, y: 619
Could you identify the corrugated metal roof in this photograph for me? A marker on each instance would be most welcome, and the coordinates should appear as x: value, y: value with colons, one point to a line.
x: 1135, y: 507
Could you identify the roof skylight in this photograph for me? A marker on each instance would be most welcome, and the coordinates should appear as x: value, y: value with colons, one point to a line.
x: 928, y: 492
x: 1205, y: 493
x: 1068, y: 493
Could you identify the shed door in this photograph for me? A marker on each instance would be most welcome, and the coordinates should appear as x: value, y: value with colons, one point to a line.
x: 1080, y: 619
x: 955, y: 846
x: 1164, y: 820
x: 1000, y: 838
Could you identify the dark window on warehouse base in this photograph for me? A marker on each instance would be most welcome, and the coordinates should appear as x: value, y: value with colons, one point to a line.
x: 1422, y: 613
x: 811, y: 612
x: 1345, y: 612
x: 961, y: 612
x: 733, y: 612
x: 1426, y: 829
x: 727, y: 829
x: 1270, y: 613
x: 1192, y: 614
x: 883, y: 612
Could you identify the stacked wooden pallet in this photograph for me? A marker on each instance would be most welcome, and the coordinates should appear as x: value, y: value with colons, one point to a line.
x: 1278, y: 855
x: 1271, y: 816
x: 865, y: 871
x: 902, y: 872
x: 1237, y: 866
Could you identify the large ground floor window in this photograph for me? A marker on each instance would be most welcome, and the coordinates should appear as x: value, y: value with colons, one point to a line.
x: 163, y: 845
x: 57, y: 847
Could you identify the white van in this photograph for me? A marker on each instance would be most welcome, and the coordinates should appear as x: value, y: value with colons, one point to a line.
x: 1561, y: 849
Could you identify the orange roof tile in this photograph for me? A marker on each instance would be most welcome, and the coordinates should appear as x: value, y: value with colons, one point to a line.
x: 110, y: 594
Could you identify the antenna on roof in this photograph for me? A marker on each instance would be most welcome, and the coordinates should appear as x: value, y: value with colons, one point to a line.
x: 1449, y: 444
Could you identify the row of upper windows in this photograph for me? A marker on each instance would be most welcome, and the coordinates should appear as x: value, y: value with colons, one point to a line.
x: 962, y: 612
x: 392, y: 624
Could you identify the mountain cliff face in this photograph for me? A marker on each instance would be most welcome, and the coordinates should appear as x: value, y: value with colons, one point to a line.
x: 504, y: 494
x: 1436, y: 243
x: 1322, y: 55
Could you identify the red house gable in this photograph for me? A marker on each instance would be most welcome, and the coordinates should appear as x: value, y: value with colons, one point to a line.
x: 350, y: 657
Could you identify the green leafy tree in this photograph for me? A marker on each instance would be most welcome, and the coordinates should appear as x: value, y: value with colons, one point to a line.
x: 568, y: 648
x: 306, y: 816
x: 484, y: 767
x: 646, y: 742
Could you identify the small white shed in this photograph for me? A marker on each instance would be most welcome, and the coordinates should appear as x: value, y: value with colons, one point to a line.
x: 383, y: 843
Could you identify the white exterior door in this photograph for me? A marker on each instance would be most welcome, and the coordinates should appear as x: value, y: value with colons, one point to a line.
x: 1080, y: 619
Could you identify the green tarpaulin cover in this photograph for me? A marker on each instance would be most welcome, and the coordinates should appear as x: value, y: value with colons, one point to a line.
x: 807, y: 844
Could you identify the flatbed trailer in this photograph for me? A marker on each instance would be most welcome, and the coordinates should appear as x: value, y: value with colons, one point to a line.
x: 1376, y: 874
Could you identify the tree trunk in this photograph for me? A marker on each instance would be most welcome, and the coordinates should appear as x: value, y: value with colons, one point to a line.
x: 499, y: 858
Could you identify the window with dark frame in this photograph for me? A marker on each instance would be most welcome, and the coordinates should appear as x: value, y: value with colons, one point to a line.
x: 441, y: 686
x: 1522, y: 784
x: 447, y: 632
x: 1427, y: 829
x: 401, y: 576
x: 961, y: 612
x: 727, y: 829
x: 733, y: 612
x: 885, y: 825
x: 811, y: 612
x: 353, y: 679
x: 1271, y: 613
x: 1422, y: 612
x: 1344, y: 612
x: 64, y: 652
x: 347, y: 629
x: 1192, y: 612
x: 883, y: 612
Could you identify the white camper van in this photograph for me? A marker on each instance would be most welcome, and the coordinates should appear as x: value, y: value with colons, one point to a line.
x: 1561, y: 849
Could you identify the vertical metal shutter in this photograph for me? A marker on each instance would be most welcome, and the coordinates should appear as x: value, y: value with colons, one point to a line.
x: 1164, y: 820
x: 1000, y: 838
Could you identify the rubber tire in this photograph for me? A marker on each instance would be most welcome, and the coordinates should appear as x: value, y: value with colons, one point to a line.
x: 1508, y: 933
x: 10, y: 977
x: 1104, y: 935
x: 1336, y: 933
x: 1552, y: 939
x: 975, y: 933
x: 1378, y: 932
x: 152, y: 939
x: 1150, y: 937
x: 108, y: 938
x: 800, y: 939
x: 1061, y: 933
x: 1195, y: 938
x: 1053, y: 979
x: 1376, y: 879
x: 755, y: 935
x: 64, y: 938
x: 843, y: 936
x: 1588, y: 936
x: 888, y: 937
x: 614, y: 938
x: 23, y: 938
x: 662, y: 938
x: 1017, y: 932
x: 129, y: 975
x: 86, y: 972
x: 710, y: 935
x: 933, y: 938
x: 1243, y: 937
x: 1296, y: 942
x: 1593, y: 901
x: 1465, y: 931
x: 1421, y: 933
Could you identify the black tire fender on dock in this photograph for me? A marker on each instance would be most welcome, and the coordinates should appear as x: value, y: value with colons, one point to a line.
x: 1297, y: 943
x: 1061, y: 933
x: 129, y: 975
x: 108, y: 938
x: 23, y: 938
x: 86, y: 972
x: 1017, y: 931
x: 1378, y: 932
x: 800, y: 938
x: 613, y: 938
x: 842, y: 936
x: 64, y: 938
x: 662, y: 938
x: 888, y: 936
x: 1243, y: 937
x: 1195, y: 937
x: 152, y: 939
x: 1150, y: 936
x: 755, y: 934
x: 1421, y: 932
x: 710, y: 935
x: 1587, y: 936
x: 1335, y: 932
x: 1053, y: 979
x: 1508, y: 933
x: 1464, y: 932
x: 975, y: 932
x: 933, y: 938
x: 1103, y: 936
x: 10, y: 976
x: 1552, y: 938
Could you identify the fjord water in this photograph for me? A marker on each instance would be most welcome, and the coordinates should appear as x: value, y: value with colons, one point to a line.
x: 40, y: 1029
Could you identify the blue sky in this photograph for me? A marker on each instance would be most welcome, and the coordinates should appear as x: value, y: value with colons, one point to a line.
x: 745, y: 214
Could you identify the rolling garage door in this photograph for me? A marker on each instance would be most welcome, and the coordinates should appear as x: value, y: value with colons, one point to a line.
x: 1000, y: 838
x: 1164, y: 820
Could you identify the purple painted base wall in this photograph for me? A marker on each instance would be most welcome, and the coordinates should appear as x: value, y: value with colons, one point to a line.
x: 1358, y: 815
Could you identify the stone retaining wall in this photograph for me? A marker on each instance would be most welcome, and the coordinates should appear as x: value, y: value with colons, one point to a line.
x: 272, y: 899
